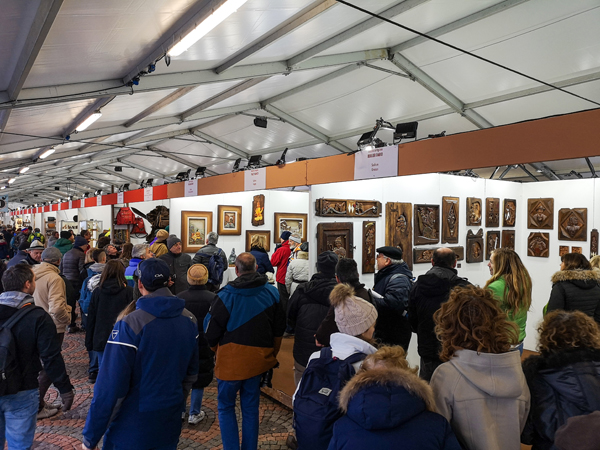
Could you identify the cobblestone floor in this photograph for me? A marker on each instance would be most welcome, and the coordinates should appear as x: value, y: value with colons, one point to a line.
x: 64, y: 430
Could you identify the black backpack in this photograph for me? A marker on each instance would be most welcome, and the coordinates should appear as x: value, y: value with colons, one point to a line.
x: 10, y: 371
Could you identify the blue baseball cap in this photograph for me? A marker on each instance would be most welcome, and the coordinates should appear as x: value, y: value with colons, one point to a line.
x: 154, y: 273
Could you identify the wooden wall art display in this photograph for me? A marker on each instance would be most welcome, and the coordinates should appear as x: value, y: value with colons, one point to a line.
x: 195, y: 225
x: 475, y: 246
x: 450, y: 208
x: 263, y: 235
x: 540, y: 213
x: 424, y: 255
x: 258, y: 210
x: 368, y: 250
x: 327, y: 207
x: 509, y: 215
x: 460, y: 252
x: 538, y: 245
x: 427, y: 224
x: 572, y: 224
x: 593, y: 243
x: 229, y: 221
x: 292, y: 222
x: 563, y: 250
x: 508, y: 239
x: 492, y: 242
x: 474, y: 212
x: 336, y: 237
x: 577, y: 250
x: 398, y: 229
x: 492, y: 212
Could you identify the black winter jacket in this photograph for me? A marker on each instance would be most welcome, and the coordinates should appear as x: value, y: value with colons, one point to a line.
x: 576, y: 290
x: 71, y: 265
x: 306, y: 310
x: 426, y: 297
x: 198, y: 300
x: 262, y: 260
x: 108, y: 300
x: 563, y: 384
x: 179, y: 265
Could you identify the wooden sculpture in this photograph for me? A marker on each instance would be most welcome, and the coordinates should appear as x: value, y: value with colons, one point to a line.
x: 563, y: 250
x: 424, y: 255
x: 538, y: 245
x: 572, y: 224
x: 450, y: 208
x: 398, y: 229
x: 336, y: 237
x: 258, y: 210
x: 427, y: 224
x: 593, y: 243
x: 492, y: 212
x: 509, y: 216
x: 508, y: 239
x: 492, y: 242
x: 540, y: 213
x: 577, y: 250
x: 368, y: 250
x: 474, y: 212
x: 327, y: 207
x: 475, y: 246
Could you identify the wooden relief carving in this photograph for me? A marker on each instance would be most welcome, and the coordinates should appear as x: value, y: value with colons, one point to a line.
x: 398, y: 229
x: 336, y: 237
x: 460, y: 252
x: 540, y: 213
x: 492, y: 242
x: 258, y: 210
x: 475, y: 246
x: 593, y: 243
x: 538, y: 245
x: 368, y: 250
x: 474, y: 212
x: 563, y: 250
x: 427, y: 224
x: 450, y: 207
x: 572, y: 224
x: 492, y: 212
x: 577, y: 250
x: 424, y: 255
x: 327, y: 207
x: 509, y: 216
x: 508, y: 239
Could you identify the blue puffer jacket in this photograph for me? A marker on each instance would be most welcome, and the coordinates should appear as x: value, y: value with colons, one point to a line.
x: 130, y: 270
x: 390, y: 408
x: 150, y: 357
x: 262, y: 260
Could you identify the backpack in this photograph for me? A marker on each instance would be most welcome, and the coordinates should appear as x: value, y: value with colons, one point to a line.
x: 87, y: 289
x: 316, y: 407
x: 216, y: 267
x: 37, y: 237
x: 138, y: 226
x: 11, y: 375
x: 125, y: 216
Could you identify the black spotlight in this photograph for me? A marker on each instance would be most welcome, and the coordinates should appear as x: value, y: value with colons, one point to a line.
x: 56, y: 188
x: 260, y: 122
x: 200, y: 172
x: 182, y: 176
x: 254, y: 161
x: 118, y: 168
x: 149, y: 182
x: 406, y: 130
x: 281, y: 160
x: 236, y: 165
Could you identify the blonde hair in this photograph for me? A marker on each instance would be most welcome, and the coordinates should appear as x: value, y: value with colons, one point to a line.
x: 257, y: 241
x: 595, y: 262
x: 388, y: 357
x: 88, y: 256
x: 517, y: 290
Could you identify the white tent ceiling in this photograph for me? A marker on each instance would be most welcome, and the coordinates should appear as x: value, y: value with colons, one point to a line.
x: 320, y: 71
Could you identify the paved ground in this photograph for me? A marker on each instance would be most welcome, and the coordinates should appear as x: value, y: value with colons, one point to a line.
x: 64, y: 430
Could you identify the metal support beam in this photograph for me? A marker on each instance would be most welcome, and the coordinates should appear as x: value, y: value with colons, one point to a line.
x: 529, y: 174
x: 494, y: 172
x: 505, y: 172
x: 591, y: 166
x: 218, y: 143
x: 179, y: 160
x: 160, y: 104
x: 545, y: 170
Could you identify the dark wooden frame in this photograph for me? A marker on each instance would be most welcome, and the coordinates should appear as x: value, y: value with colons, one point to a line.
x: 222, y: 209
x: 509, y: 212
x: 475, y: 250
x: 419, y: 238
x: 563, y: 250
x: 508, y: 238
x: 328, y: 230
x: 450, y: 220
x: 185, y: 216
x: 329, y: 207
x: 472, y: 212
x: 424, y: 255
x: 593, y: 243
x: 577, y: 250
x: 538, y: 245
x: 495, y: 234
x: 282, y: 216
x: 542, y: 219
x: 398, y: 229
x: 258, y: 201
x: 369, y: 246
x: 265, y: 233
x: 564, y: 216
x: 492, y: 212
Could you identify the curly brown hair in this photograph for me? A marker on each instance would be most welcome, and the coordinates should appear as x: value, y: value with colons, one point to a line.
x: 472, y: 319
x: 568, y: 329
x: 389, y: 357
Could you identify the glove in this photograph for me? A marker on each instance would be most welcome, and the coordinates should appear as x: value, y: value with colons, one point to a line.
x: 67, y: 399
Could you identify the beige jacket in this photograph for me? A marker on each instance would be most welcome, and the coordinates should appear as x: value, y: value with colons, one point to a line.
x: 51, y: 294
x: 484, y: 397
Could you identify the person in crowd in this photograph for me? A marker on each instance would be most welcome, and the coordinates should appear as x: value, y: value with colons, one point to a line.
x: 87, y: 234
x: 511, y: 285
x: 5, y: 248
x: 244, y: 327
x: 385, y: 404
x: 564, y: 379
x: 426, y: 297
x: 159, y: 247
x: 179, y: 263
x: 88, y: 262
x: 51, y: 295
x: 36, y: 348
x: 103, y: 241
x: 393, y: 282
x: 23, y: 236
x: 576, y: 287
x: 579, y: 433
x: 297, y: 270
x: 36, y: 235
x: 65, y: 243
x: 3, y: 268
x: 134, y: 380
x: 280, y: 259
x: 308, y: 307
x: 262, y: 257
x: 595, y: 262
x: 126, y: 253
x: 54, y: 236
x: 480, y: 388
x: 111, y: 251
x: 295, y: 241
x: 30, y: 254
x: 110, y: 297
x: 198, y: 300
x: 72, y: 263
x: 203, y: 256
x: 139, y: 252
x: 14, y: 243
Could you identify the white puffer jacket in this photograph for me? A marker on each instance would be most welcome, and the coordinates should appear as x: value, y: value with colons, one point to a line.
x: 297, y: 272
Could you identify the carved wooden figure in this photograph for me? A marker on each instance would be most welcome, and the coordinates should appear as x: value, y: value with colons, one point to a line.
x: 427, y: 224
x: 593, y: 243
x: 327, y: 207
x: 538, y: 245
x: 258, y: 210
x: 492, y: 212
x: 577, y: 250
x: 492, y: 242
x: 368, y: 250
x: 450, y: 208
x: 336, y: 237
x: 460, y: 252
x: 508, y: 239
x: 424, y: 255
x: 398, y: 229
x: 474, y: 212
x: 509, y: 215
x: 563, y: 250
x: 572, y: 224
x: 540, y: 213
x: 475, y: 246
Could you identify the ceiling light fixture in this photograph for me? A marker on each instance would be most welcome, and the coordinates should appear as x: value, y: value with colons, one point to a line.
x: 218, y: 16
x: 200, y: 171
x: 90, y: 120
x: 183, y: 176
x: 281, y: 160
x: 3, y: 187
x: 47, y: 153
x: 23, y: 170
x: 369, y: 140
x: 260, y: 122
x: 11, y: 180
x: 254, y: 162
x: 236, y: 165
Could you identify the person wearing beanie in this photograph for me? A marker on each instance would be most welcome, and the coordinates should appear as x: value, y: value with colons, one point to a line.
x: 307, y: 309
x: 64, y: 244
x: 198, y: 300
x: 139, y: 252
x: 203, y: 256
x: 159, y: 247
x: 178, y: 263
x: 280, y: 259
x: 295, y: 241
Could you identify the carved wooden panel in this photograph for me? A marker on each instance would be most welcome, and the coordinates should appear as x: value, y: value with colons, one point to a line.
x: 368, y: 249
x: 492, y: 242
x: 336, y: 237
x: 593, y: 243
x: 538, y: 245
x: 563, y: 250
x: 424, y: 255
x: 572, y: 224
x: 427, y: 224
x: 258, y: 210
x: 474, y: 212
x: 492, y: 212
x: 508, y: 239
x: 475, y: 246
x: 327, y: 207
x: 577, y: 250
x: 509, y: 215
x: 398, y: 229
x: 450, y: 208
x: 460, y: 252
x: 540, y: 213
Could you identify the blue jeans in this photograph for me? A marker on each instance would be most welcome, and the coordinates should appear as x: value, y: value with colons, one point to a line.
x: 18, y: 414
x: 94, y: 362
x: 196, y: 402
x: 249, y: 400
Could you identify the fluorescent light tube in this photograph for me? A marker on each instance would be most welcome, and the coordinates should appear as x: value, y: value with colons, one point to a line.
x: 222, y: 13
x: 11, y: 181
x: 23, y: 170
x: 90, y: 120
x: 47, y: 153
x: 3, y: 187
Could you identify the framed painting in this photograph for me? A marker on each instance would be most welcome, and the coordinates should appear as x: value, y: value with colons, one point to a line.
x: 292, y: 222
x: 336, y: 237
x: 263, y: 235
x: 195, y: 225
x: 258, y: 210
x: 230, y: 220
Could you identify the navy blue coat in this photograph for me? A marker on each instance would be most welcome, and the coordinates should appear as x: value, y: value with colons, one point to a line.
x: 262, y: 260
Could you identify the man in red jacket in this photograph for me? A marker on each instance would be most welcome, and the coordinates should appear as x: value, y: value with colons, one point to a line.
x: 280, y: 259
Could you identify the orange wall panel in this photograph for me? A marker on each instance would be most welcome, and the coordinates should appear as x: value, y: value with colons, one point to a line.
x: 174, y: 190
x: 332, y: 169
x: 288, y: 175
x: 229, y: 182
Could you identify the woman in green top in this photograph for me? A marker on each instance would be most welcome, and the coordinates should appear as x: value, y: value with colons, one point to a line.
x: 511, y: 285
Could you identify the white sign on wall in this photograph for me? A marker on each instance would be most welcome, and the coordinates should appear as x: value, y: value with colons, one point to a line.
x: 70, y: 204
x: 120, y: 197
x: 376, y: 163
x: 99, y: 200
x: 191, y: 188
x: 255, y: 179
x: 148, y: 194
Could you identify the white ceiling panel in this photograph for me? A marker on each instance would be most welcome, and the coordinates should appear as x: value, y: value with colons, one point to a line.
x: 194, y: 151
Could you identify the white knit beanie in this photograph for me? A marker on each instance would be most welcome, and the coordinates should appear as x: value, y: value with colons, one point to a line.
x: 353, y: 315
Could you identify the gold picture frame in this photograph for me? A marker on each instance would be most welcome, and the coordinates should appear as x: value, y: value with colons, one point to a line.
x: 265, y: 234
x: 195, y: 225
x: 293, y: 222
x: 229, y: 221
